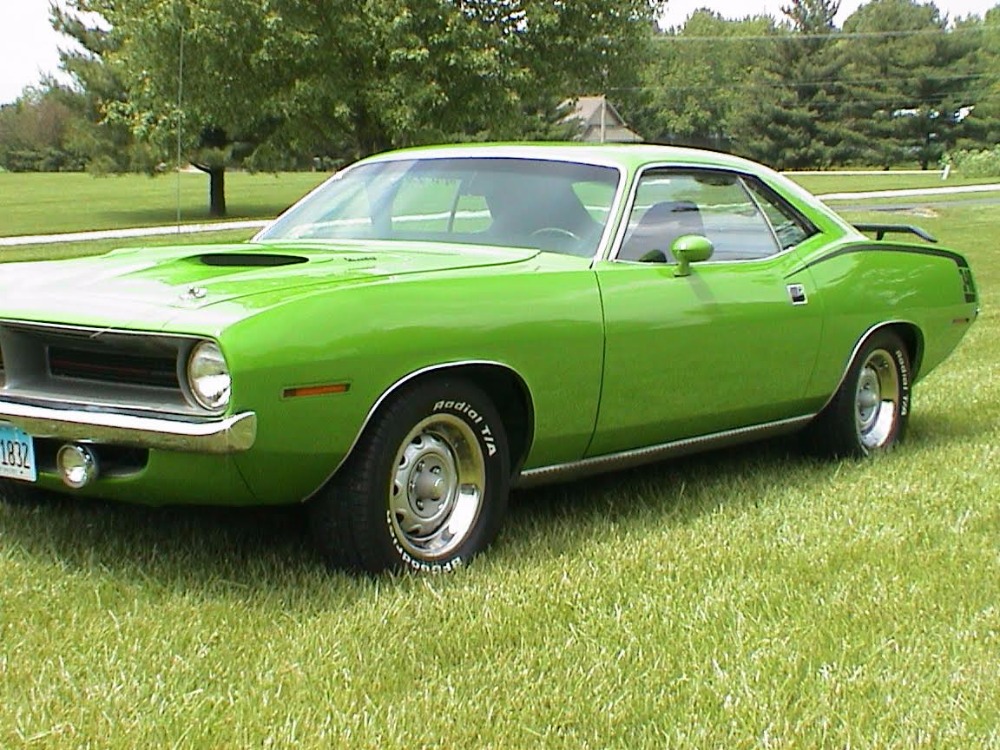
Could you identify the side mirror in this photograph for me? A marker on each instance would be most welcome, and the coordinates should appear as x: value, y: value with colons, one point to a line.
x: 688, y: 249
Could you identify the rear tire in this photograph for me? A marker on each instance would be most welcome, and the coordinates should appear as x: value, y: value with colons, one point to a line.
x: 871, y: 409
x: 425, y: 488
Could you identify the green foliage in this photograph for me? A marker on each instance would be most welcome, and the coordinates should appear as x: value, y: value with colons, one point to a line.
x: 982, y: 126
x: 107, y: 145
x: 811, y: 16
x: 976, y: 163
x: 252, y: 80
x: 393, y: 73
x: 683, y: 100
x: 784, y: 116
x: 900, y: 84
x: 36, y: 132
x: 906, y: 90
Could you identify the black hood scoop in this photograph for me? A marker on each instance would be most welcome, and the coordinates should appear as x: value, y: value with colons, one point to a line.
x: 250, y: 260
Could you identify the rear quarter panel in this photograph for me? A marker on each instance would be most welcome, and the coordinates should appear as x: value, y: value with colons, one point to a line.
x: 864, y: 284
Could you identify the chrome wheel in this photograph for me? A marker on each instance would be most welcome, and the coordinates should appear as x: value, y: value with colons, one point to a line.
x: 877, y: 400
x: 437, y: 488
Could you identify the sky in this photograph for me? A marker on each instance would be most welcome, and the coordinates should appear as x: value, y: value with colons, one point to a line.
x: 29, y: 47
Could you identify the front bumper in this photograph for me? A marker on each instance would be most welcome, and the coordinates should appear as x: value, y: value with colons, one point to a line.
x: 233, y: 434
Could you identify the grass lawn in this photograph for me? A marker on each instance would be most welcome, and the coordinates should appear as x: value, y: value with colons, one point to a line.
x: 834, y: 182
x: 55, y: 203
x: 98, y: 247
x: 752, y: 598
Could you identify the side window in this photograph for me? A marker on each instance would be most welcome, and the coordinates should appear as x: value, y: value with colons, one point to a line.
x: 789, y: 226
x: 672, y: 203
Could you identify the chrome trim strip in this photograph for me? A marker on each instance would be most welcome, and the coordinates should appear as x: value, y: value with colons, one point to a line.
x: 615, y: 217
x: 640, y: 456
x: 96, y: 332
x: 231, y: 435
x: 756, y: 199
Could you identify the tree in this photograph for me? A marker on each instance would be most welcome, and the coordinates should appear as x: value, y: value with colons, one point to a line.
x: 107, y: 143
x: 682, y: 99
x: 980, y: 118
x: 252, y: 79
x: 788, y: 115
x: 910, y: 78
x: 35, y: 131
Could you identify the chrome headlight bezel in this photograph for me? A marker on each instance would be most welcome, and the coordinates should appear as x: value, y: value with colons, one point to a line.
x: 208, y: 378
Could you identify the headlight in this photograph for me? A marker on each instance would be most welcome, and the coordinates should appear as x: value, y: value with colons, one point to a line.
x: 208, y: 376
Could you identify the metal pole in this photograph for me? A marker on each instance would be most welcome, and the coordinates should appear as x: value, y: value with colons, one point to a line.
x: 604, y: 110
x: 180, y: 118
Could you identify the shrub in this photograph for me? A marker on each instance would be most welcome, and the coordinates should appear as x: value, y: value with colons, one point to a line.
x: 976, y: 162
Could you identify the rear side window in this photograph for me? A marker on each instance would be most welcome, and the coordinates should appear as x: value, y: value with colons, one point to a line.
x: 717, y: 205
x: 789, y: 226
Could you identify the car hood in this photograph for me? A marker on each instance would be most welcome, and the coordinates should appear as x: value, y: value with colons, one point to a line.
x: 149, y: 286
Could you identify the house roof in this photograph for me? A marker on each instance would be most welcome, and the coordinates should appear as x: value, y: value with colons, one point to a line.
x: 599, y: 120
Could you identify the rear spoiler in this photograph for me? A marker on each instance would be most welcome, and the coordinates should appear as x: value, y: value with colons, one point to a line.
x: 881, y: 230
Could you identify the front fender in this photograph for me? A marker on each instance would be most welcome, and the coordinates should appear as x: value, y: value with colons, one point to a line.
x: 346, y: 349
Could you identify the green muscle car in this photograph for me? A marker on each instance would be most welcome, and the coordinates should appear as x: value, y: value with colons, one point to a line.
x: 432, y: 327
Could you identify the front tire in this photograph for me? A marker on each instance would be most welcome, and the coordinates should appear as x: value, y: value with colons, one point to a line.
x: 425, y: 488
x: 871, y: 409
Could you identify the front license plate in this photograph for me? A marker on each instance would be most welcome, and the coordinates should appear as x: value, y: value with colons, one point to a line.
x: 17, y: 454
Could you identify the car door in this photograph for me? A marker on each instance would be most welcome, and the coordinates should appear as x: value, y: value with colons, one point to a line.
x: 730, y: 345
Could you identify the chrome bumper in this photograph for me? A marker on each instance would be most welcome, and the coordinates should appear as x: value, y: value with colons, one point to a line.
x: 230, y: 435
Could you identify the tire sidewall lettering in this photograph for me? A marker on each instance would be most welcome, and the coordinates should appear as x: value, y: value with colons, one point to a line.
x: 475, y: 419
x: 420, y: 566
x: 902, y: 363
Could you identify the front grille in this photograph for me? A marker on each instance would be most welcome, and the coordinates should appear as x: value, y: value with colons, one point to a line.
x: 96, y: 369
x: 113, y: 367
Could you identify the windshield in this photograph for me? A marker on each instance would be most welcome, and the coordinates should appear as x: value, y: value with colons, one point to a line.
x: 551, y: 205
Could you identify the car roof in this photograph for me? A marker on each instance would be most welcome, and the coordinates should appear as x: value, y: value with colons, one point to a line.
x: 624, y: 155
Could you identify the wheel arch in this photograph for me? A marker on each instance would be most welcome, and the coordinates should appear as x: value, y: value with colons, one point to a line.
x: 505, y: 387
x: 911, y: 336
